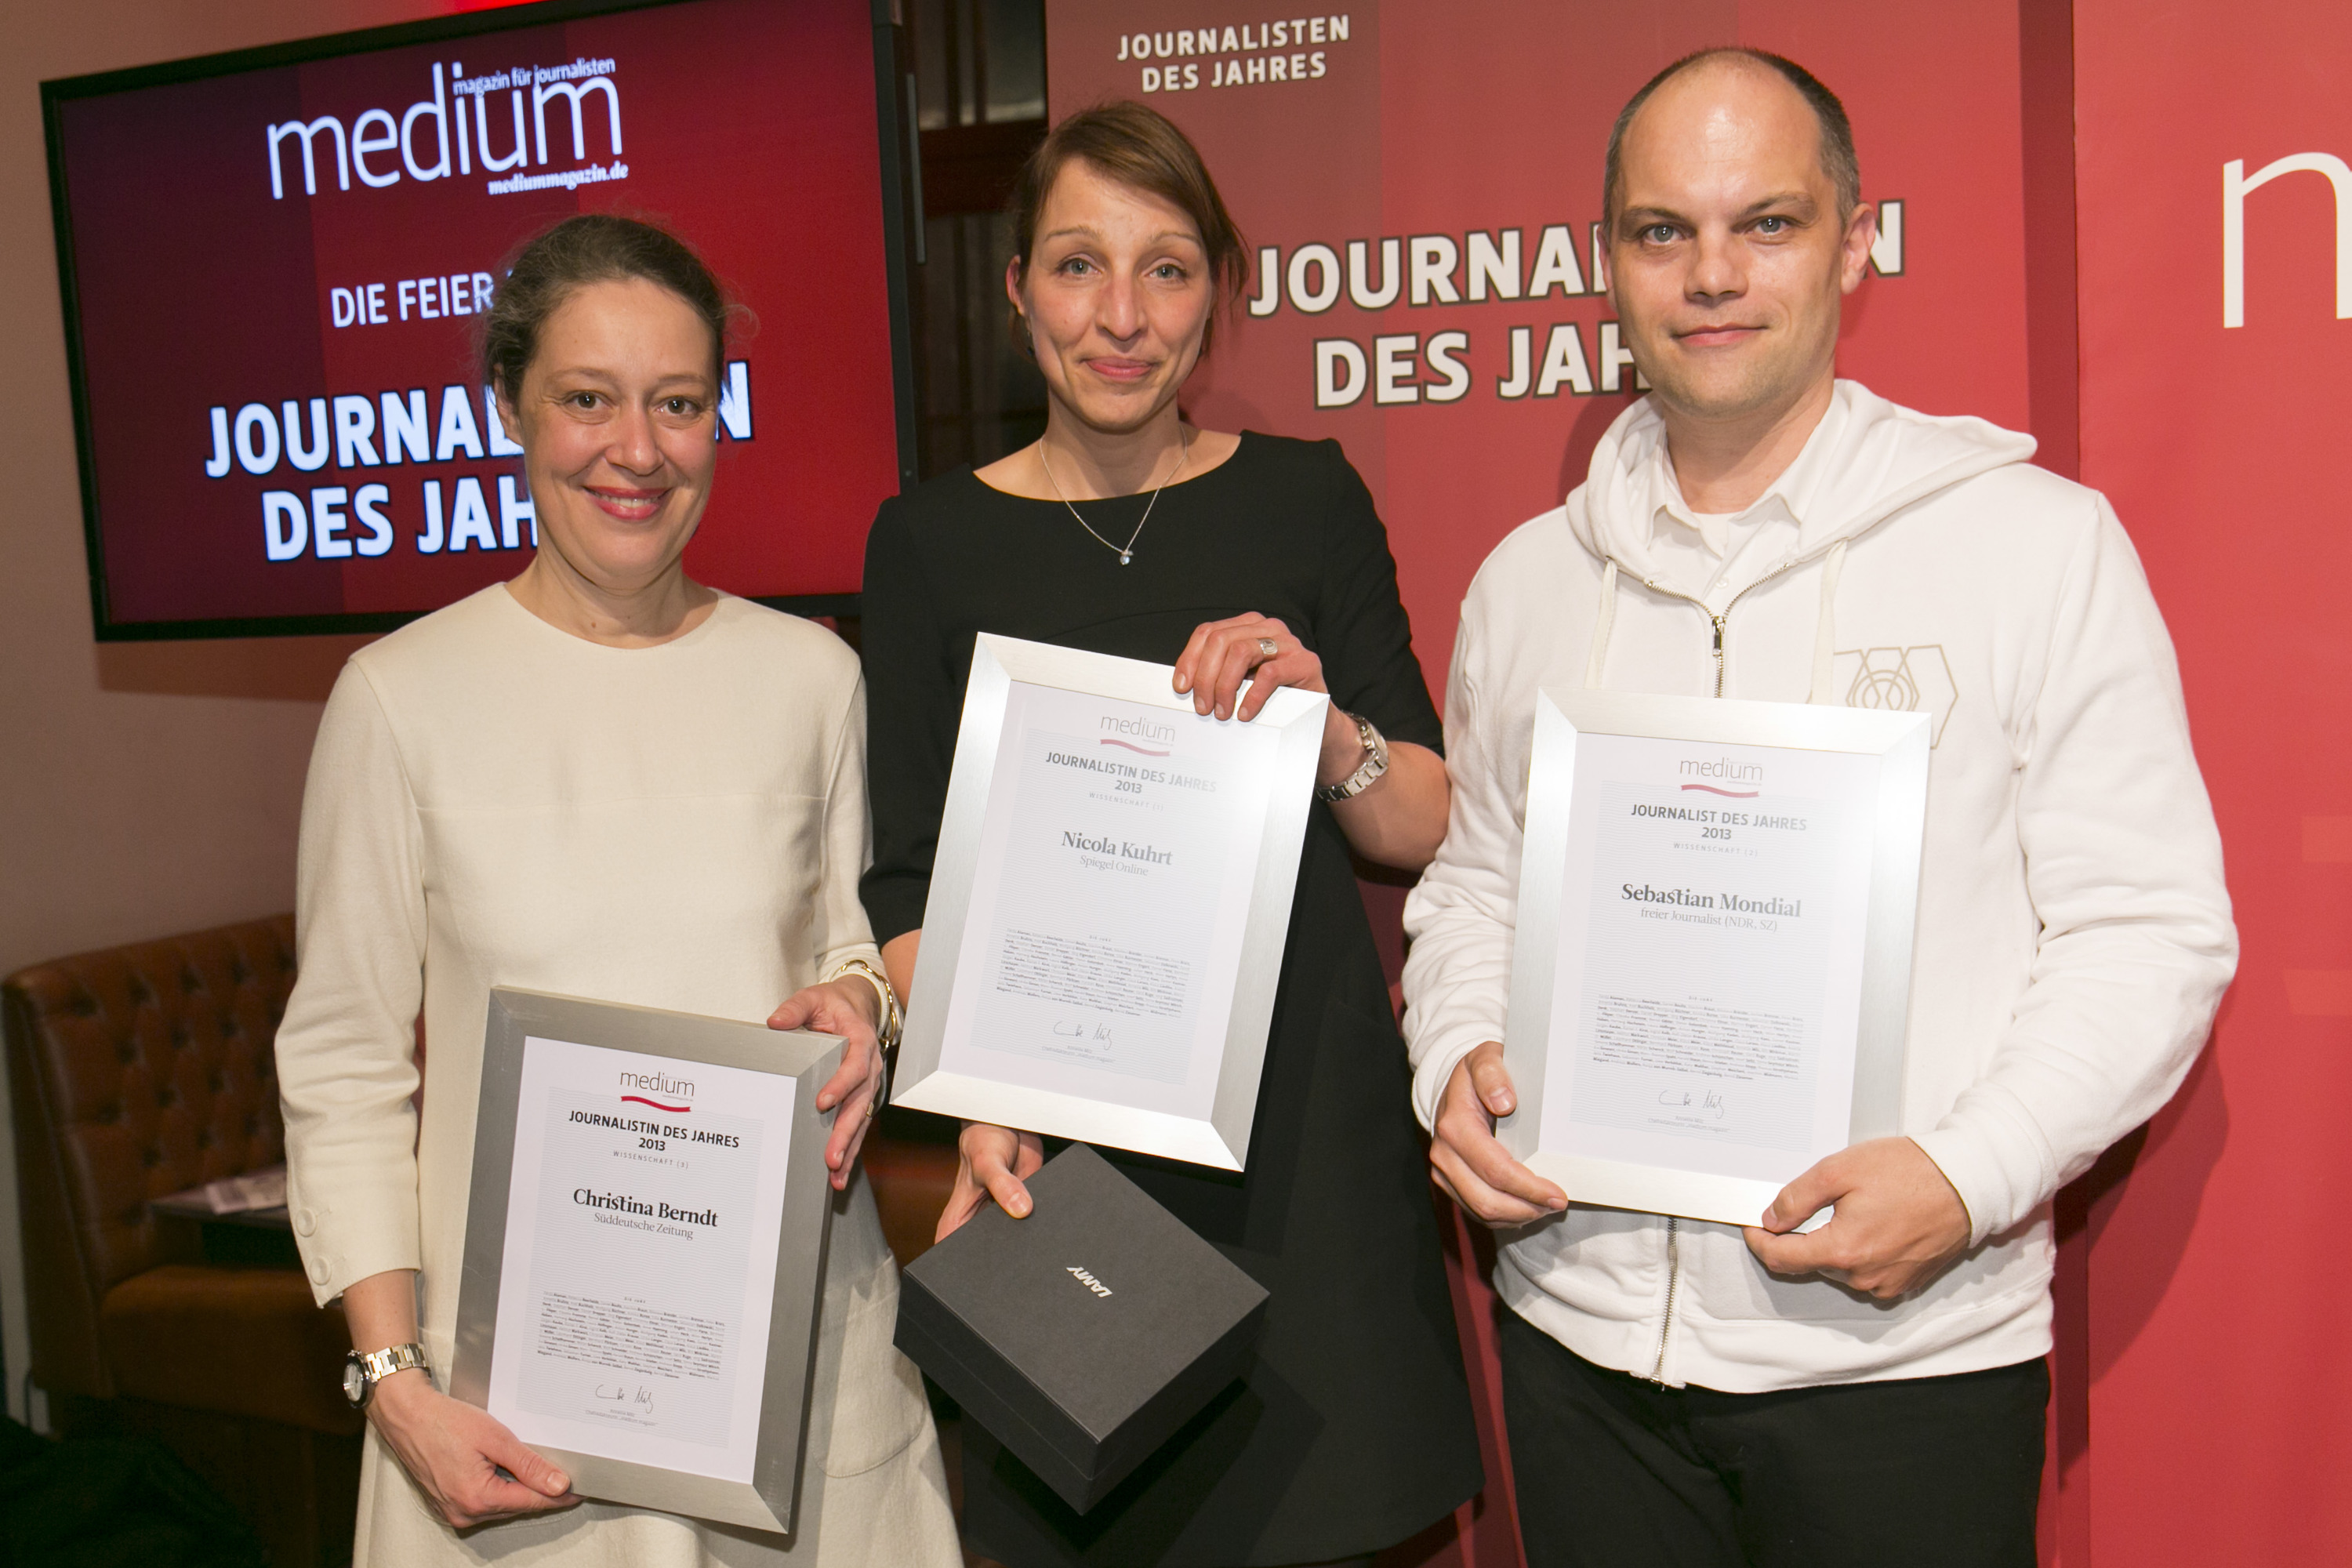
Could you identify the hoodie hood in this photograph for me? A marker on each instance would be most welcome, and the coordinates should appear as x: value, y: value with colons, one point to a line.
x: 1879, y: 457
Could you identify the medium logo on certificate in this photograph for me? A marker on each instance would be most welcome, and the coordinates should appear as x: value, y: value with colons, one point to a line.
x: 634, y: 1314
x: 1108, y: 915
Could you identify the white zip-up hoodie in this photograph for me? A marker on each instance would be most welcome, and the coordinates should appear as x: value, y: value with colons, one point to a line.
x: 2074, y: 932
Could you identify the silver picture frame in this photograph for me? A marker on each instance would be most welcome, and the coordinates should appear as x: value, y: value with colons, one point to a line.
x: 1564, y: 715
x: 799, y: 1385
x: 1221, y: 1139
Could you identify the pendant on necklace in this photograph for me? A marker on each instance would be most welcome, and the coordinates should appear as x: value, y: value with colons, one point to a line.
x: 1124, y: 558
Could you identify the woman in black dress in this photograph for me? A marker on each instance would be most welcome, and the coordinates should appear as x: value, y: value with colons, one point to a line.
x: 1249, y: 562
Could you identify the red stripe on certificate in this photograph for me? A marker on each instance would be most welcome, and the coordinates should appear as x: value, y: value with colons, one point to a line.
x: 657, y: 1105
x: 1734, y: 793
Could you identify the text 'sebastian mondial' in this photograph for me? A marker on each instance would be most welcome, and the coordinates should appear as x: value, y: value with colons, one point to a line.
x: 1690, y: 898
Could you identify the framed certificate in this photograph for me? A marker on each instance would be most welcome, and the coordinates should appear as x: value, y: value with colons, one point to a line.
x: 1108, y: 905
x: 644, y: 1250
x: 1713, y: 957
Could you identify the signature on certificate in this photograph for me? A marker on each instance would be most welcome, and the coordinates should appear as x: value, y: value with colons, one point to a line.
x: 1079, y: 1029
x: 637, y: 1398
x: 1703, y: 1102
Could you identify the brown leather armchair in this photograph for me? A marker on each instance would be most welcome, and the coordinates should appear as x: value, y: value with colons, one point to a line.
x: 137, y: 1072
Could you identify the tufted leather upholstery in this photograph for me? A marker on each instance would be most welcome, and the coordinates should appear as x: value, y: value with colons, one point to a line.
x: 136, y: 1073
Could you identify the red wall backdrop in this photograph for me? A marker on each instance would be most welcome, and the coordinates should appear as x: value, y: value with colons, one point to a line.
x: 2217, y: 1363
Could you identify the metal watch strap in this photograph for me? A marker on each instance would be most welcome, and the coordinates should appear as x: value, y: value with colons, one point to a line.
x: 1368, y: 772
x: 374, y: 1367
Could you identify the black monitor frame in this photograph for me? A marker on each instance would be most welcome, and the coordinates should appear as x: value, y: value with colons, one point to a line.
x: 901, y: 224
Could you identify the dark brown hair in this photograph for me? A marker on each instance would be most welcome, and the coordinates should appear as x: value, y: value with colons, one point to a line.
x: 1136, y: 146
x: 1838, y: 160
x: 591, y: 247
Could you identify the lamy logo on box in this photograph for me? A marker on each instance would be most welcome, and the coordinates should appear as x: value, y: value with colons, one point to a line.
x: 1089, y: 1281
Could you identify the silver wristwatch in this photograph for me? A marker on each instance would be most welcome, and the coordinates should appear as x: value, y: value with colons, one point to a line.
x: 1368, y: 772
x: 363, y: 1373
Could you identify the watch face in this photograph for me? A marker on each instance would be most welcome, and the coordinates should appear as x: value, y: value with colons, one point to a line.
x: 355, y: 1382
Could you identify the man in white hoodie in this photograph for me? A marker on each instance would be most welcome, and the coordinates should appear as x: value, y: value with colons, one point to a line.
x: 1873, y: 1392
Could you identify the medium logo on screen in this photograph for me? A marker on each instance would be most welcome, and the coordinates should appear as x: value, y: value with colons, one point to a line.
x: 1727, y: 772
x: 640, y: 1085
x: 497, y: 120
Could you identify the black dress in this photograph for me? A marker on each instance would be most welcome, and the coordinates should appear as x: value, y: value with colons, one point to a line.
x: 1353, y: 1429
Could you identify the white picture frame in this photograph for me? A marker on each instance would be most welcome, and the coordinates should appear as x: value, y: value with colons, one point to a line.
x: 1596, y: 1135
x: 959, y: 1055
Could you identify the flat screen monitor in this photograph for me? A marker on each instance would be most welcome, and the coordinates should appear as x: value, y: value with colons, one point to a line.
x: 274, y: 264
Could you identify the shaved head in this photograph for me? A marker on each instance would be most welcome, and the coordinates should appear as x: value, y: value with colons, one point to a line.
x: 1835, y: 132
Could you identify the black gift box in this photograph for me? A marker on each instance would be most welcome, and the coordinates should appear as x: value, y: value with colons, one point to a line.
x: 1084, y: 1336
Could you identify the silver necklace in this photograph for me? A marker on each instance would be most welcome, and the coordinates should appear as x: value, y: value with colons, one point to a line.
x: 1126, y: 552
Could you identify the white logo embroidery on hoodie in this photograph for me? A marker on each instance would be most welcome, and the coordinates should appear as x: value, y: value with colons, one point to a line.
x: 1902, y: 679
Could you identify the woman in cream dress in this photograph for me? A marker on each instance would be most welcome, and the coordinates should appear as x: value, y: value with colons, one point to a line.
x: 601, y: 779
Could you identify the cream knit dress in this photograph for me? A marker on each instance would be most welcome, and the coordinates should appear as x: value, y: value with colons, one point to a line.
x: 494, y: 802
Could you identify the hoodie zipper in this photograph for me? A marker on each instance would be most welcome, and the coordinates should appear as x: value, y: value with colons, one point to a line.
x: 1674, y: 1278
x: 1673, y: 1243
x: 1722, y: 623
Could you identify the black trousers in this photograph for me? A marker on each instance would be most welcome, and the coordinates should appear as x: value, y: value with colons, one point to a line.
x: 1928, y: 1472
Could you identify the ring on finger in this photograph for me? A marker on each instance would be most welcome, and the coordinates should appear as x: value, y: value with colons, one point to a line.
x: 1267, y: 647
